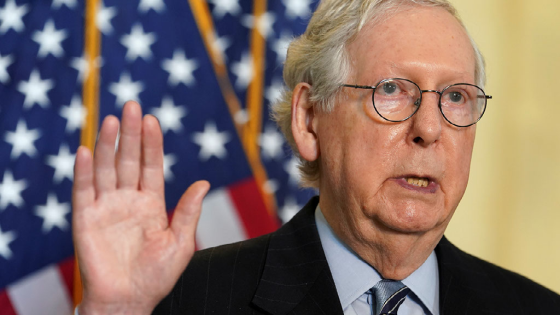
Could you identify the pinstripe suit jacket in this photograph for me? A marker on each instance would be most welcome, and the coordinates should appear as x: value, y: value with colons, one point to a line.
x: 286, y: 273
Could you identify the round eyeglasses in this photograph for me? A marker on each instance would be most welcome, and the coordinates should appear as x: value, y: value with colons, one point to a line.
x: 397, y: 100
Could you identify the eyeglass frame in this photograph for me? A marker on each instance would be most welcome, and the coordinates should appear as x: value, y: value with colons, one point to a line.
x: 368, y: 87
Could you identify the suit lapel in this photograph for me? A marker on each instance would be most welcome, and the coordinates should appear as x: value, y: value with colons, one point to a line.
x: 465, y: 287
x: 454, y: 297
x: 296, y: 277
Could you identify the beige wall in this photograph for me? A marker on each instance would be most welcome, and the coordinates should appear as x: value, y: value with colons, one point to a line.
x: 510, y: 214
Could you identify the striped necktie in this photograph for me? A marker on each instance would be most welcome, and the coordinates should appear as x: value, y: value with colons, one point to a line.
x: 389, y: 295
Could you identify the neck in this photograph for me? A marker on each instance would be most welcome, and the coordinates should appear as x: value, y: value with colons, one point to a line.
x: 394, y: 254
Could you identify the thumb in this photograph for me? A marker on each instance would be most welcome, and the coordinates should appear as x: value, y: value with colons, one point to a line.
x: 188, y: 211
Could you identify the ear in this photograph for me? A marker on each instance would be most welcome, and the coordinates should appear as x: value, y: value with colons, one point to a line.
x: 304, y: 123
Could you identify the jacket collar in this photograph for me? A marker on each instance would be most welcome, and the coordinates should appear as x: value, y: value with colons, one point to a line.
x: 466, y: 287
x: 296, y: 276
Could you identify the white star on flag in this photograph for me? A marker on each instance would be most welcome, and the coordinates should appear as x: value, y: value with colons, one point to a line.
x: 69, y: 3
x: 274, y: 91
x: 241, y: 117
x: 82, y: 66
x: 270, y: 186
x: 180, y: 69
x: 243, y: 70
x: 211, y: 142
x: 168, y: 161
x: 280, y: 47
x: 22, y: 140
x: 291, y: 167
x: 5, y: 239
x: 169, y: 115
x: 35, y: 90
x: 125, y: 89
x: 289, y: 209
x: 263, y: 23
x: 103, y: 18
x: 138, y: 43
x: 53, y: 214
x: 11, y: 17
x: 49, y: 40
x: 75, y: 114
x: 10, y: 191
x: 271, y: 142
x: 5, y: 62
x: 156, y: 5
x: 223, y: 7
x: 219, y: 46
x: 63, y: 164
x: 297, y: 8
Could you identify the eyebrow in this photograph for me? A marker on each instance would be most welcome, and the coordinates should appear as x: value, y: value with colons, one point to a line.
x: 450, y: 72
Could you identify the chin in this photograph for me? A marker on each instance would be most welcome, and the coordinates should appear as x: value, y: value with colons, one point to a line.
x: 412, y: 219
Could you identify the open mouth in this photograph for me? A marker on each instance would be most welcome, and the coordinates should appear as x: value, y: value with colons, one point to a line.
x: 418, y: 181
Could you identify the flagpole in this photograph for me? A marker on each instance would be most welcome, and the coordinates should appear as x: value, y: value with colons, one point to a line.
x: 90, y: 99
x: 255, y: 101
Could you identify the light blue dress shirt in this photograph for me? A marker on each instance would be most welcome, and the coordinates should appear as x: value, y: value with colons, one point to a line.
x: 353, y: 277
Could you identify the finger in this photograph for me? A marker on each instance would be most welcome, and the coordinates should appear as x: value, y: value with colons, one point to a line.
x: 128, y: 155
x: 83, y: 190
x: 104, y: 156
x: 188, y: 211
x: 152, y: 177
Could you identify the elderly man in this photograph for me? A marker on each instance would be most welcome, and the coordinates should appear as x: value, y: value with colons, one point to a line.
x: 384, y: 97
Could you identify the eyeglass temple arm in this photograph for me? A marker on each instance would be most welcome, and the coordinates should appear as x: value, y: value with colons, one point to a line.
x: 359, y: 86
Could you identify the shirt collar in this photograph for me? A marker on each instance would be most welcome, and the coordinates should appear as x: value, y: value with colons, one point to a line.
x: 424, y: 283
x: 353, y: 276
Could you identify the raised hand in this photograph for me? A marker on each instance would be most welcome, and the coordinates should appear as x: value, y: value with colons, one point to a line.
x: 129, y: 256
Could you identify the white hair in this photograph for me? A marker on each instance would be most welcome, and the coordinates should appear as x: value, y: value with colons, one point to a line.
x: 319, y: 57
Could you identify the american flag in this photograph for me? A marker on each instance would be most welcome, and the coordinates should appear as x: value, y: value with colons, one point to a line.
x: 208, y: 70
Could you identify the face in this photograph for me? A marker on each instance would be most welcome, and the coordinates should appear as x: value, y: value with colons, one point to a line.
x: 372, y: 169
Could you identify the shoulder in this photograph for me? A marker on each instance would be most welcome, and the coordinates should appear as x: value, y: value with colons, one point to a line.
x: 489, y: 282
x: 220, y: 270
x: 252, y: 250
x: 218, y: 278
x: 224, y: 279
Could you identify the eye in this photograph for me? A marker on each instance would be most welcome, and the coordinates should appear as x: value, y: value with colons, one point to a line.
x: 390, y: 88
x: 456, y: 97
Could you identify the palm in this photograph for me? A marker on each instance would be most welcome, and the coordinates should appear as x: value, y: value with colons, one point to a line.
x: 128, y: 252
x: 122, y: 220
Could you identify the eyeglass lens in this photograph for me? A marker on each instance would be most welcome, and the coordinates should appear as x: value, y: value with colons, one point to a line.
x: 399, y: 99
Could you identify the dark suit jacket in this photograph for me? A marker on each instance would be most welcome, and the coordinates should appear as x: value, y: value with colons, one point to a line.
x: 286, y: 272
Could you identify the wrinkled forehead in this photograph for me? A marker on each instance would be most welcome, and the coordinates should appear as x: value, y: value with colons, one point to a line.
x: 415, y: 41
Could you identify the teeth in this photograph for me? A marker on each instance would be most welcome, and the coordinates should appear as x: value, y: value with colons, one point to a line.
x: 420, y: 182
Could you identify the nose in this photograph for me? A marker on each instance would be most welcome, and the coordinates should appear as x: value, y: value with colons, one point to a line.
x: 427, y: 122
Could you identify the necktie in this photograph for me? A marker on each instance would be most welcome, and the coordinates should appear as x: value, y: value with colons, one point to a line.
x: 389, y: 295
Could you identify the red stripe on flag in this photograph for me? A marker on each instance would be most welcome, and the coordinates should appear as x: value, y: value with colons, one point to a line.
x: 66, y: 269
x: 6, y: 307
x: 251, y: 208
